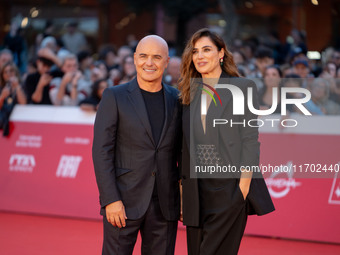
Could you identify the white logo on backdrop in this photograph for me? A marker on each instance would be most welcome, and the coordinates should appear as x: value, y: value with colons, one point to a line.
x: 280, y: 187
x: 77, y: 140
x: 21, y: 163
x: 29, y: 141
x: 68, y: 166
x: 334, y: 196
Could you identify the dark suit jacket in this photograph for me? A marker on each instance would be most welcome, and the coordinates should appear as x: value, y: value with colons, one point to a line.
x: 237, y: 145
x: 126, y: 159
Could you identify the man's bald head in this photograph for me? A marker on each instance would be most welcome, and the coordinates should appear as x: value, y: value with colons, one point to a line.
x: 153, y: 40
x: 151, y: 58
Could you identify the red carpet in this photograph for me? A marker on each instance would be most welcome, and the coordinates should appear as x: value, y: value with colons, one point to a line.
x: 34, y: 235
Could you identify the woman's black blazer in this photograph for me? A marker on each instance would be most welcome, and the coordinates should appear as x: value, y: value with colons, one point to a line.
x: 236, y: 144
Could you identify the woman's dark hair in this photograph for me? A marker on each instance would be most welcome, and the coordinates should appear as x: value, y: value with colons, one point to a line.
x: 105, y: 50
x: 16, y: 71
x: 95, y: 87
x: 188, y: 70
x: 123, y: 63
x: 263, y: 52
x: 263, y: 90
x: 82, y: 55
x: 277, y: 67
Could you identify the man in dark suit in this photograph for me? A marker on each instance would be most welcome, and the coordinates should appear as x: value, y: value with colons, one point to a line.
x: 136, y: 134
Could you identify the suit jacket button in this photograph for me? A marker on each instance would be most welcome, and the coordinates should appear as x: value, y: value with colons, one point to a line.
x: 153, y: 173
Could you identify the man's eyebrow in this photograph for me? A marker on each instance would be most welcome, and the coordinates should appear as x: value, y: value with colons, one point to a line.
x: 144, y: 54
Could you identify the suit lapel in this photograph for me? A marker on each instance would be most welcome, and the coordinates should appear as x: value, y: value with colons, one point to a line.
x: 216, y: 112
x: 195, y: 108
x: 186, y: 124
x: 191, y: 110
x: 188, y: 137
x: 136, y: 99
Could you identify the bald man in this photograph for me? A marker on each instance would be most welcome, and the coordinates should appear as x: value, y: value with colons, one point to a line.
x: 135, y: 147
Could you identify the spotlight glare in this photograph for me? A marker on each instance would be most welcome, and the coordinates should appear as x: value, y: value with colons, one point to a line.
x: 24, y: 22
x: 314, y: 55
x: 35, y: 13
x: 315, y: 2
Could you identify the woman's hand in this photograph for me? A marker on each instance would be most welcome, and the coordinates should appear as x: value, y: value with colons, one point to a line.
x: 245, y: 181
x: 5, y: 93
x: 244, y: 189
x: 14, y: 82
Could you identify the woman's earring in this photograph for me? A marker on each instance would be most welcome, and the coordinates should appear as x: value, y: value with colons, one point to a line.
x: 221, y: 61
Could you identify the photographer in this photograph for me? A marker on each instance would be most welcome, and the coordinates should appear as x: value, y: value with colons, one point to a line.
x: 71, y: 88
x: 11, y: 93
x: 37, y: 85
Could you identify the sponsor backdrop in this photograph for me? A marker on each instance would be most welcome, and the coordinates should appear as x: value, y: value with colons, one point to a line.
x: 46, y: 164
x: 46, y: 168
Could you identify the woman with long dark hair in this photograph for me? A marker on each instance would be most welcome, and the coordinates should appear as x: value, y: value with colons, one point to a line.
x: 271, y: 79
x: 91, y: 103
x: 216, y: 204
x: 10, y: 85
x: 11, y: 93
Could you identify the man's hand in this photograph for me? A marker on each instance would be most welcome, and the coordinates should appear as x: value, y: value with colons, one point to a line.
x: 68, y: 77
x: 45, y: 79
x: 77, y: 76
x: 115, y: 214
x: 49, y: 54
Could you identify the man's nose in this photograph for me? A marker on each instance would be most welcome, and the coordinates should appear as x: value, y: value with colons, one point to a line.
x: 149, y: 61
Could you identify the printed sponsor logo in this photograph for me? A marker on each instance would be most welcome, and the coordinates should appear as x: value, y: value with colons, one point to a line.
x: 280, y: 187
x: 29, y: 141
x: 68, y: 166
x: 334, y: 196
x: 77, y: 140
x: 21, y: 163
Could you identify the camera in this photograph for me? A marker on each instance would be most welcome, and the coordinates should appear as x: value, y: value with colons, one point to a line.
x: 55, y: 73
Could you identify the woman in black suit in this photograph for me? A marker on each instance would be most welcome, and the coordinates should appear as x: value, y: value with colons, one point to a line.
x: 216, y: 205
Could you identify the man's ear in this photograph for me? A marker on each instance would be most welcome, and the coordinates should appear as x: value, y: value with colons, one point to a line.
x: 167, y: 62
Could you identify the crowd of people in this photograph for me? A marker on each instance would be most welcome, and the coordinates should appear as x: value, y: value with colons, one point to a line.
x: 277, y: 65
x: 63, y: 71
